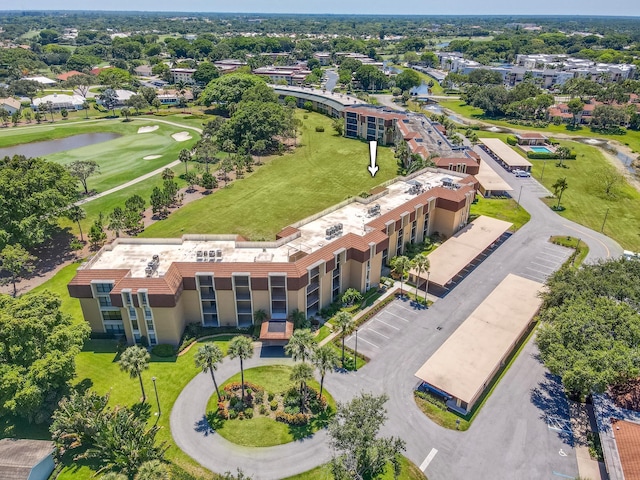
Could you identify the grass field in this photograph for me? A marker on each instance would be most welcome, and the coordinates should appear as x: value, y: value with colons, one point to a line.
x: 631, y: 138
x: 409, y: 472
x: 322, y: 171
x: 96, y: 367
x: 503, y: 209
x: 121, y: 159
x: 262, y: 431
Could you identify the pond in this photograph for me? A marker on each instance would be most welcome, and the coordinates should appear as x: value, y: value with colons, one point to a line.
x: 40, y: 149
x: 423, y: 89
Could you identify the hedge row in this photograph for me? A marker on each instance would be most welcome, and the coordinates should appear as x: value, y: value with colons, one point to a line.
x: 292, y: 418
x: 549, y: 156
x: 512, y: 141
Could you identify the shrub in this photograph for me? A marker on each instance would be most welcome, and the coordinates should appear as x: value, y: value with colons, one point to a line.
x: 270, y: 396
x: 248, y: 412
x: 512, y: 141
x: 263, y: 410
x: 233, y: 414
x: 237, y: 405
x: 223, y: 411
x: 295, y: 419
x: 273, y: 404
x: 319, y: 129
x: 292, y: 410
x: 259, y: 397
x: 163, y: 350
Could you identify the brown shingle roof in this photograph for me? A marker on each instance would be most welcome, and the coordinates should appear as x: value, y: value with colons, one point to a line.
x: 627, y: 435
x: 18, y: 457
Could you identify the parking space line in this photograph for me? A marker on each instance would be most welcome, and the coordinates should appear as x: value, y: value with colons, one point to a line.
x: 367, y: 341
x: 375, y: 331
x: 554, y: 254
x: 387, y: 324
x: 539, y: 271
x: 402, y: 307
x: 427, y: 460
x: 553, y: 267
x: 398, y: 316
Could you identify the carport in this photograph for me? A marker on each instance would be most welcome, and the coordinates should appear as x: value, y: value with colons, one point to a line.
x: 504, y: 154
x: 463, y: 367
x: 491, y: 183
x: 453, y: 256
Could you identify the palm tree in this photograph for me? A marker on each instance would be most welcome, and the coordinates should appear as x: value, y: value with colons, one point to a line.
x: 299, y: 319
x: 167, y: 174
x: 421, y: 263
x: 241, y: 347
x: 343, y: 321
x: 207, y: 358
x: 75, y: 214
x: 152, y: 470
x: 133, y: 361
x: 325, y: 359
x: 558, y: 189
x: 301, y: 345
x: 114, y: 476
x: 400, y: 265
x: 301, y: 373
x: 185, y: 157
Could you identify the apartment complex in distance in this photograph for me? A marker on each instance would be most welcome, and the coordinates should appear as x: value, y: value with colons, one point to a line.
x: 153, y: 288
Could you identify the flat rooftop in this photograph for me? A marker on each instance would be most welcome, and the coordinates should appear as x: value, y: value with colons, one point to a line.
x: 135, y: 253
x: 459, y: 251
x: 505, y: 152
x: 466, y: 362
x: 490, y: 180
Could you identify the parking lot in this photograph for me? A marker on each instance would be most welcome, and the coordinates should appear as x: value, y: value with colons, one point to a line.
x: 384, y: 326
x: 548, y: 260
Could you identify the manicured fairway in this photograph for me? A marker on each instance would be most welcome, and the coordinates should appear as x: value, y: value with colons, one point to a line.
x: 121, y: 159
x: 323, y: 171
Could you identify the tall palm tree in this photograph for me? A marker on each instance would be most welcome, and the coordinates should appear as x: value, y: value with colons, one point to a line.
x: 185, y: 157
x: 167, y: 174
x: 400, y: 265
x: 207, y: 358
x: 343, y: 321
x: 241, y: 347
x: 301, y: 373
x: 558, y: 189
x: 133, y: 361
x: 422, y: 264
x: 152, y: 470
x: 325, y: 359
x: 301, y: 345
x: 75, y: 214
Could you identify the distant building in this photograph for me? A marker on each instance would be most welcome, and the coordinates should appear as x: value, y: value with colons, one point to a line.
x: 10, y: 104
x: 43, y: 80
x: 63, y: 77
x: 26, y: 459
x: 143, y: 70
x: 323, y: 57
x: 291, y: 75
x: 59, y: 101
x: 183, y: 75
x: 229, y: 65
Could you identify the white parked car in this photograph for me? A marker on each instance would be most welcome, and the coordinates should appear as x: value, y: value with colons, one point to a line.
x: 521, y: 173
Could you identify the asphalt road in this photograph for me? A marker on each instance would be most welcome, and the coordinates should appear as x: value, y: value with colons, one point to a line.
x: 332, y: 79
x: 519, y: 433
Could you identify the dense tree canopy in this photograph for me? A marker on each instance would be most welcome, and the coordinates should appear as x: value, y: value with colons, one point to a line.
x: 38, y: 344
x: 590, y: 333
x: 33, y: 194
x: 228, y: 90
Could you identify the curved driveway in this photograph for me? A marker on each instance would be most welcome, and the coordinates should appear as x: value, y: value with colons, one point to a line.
x: 511, y: 436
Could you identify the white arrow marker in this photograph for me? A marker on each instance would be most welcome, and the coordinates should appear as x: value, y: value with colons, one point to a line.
x: 373, y: 152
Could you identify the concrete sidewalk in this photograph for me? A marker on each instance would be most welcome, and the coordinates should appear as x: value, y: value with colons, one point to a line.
x: 583, y: 422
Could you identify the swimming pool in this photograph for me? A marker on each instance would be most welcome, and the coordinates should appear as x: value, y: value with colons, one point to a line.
x: 540, y: 149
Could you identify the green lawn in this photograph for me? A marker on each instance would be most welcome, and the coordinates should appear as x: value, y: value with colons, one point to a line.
x: 409, y: 472
x: 575, y: 244
x: 121, y: 159
x: 321, y: 172
x: 262, y: 431
x: 96, y: 367
x: 585, y: 201
x: 503, y: 209
x: 58, y: 285
x: 631, y: 138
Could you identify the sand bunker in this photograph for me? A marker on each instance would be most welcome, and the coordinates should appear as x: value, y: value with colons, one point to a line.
x: 593, y: 141
x: 147, y: 129
x: 181, y: 136
x: 151, y: 157
x: 494, y: 129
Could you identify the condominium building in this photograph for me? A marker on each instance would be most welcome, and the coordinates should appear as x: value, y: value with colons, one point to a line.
x: 153, y: 288
x: 289, y: 75
x: 183, y: 75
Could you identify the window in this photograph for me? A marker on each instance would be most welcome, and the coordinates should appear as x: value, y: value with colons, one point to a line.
x: 103, y: 287
x: 143, y: 298
x: 105, y: 301
x: 111, y: 315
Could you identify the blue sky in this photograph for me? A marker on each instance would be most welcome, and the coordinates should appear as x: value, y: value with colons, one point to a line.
x: 421, y: 7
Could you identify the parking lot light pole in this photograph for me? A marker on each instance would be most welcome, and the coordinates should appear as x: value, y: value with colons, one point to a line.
x: 153, y: 379
x: 519, y: 194
x: 355, y: 358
